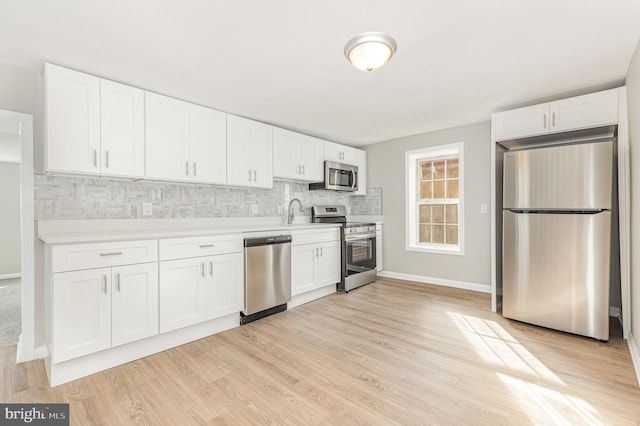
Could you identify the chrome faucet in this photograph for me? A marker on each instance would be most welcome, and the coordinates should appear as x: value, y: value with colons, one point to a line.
x: 290, y: 221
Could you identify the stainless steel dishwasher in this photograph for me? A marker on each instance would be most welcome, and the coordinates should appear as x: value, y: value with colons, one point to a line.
x: 267, y: 276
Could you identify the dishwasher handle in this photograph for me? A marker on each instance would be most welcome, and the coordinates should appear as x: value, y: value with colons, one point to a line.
x: 265, y: 241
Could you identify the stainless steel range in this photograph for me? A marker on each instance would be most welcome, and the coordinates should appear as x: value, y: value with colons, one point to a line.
x: 358, y: 246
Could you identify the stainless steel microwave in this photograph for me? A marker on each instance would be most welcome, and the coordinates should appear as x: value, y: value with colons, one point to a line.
x: 338, y: 177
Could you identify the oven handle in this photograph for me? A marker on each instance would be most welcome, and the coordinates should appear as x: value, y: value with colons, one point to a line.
x: 353, y: 237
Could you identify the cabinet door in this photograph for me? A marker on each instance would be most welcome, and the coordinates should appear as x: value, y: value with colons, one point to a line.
x: 81, y: 313
x: 527, y: 121
x: 134, y: 302
x: 311, y: 158
x: 167, y: 138
x: 182, y: 293
x: 208, y: 144
x: 361, y: 162
x: 225, y: 284
x: 72, y: 131
x: 329, y: 264
x: 592, y: 110
x: 121, y: 129
x: 285, y: 154
x: 303, y: 268
x: 249, y: 153
x: 339, y: 153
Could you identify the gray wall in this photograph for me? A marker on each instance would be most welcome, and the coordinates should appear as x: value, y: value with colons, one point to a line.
x: 10, y: 218
x: 633, y: 101
x: 386, y: 164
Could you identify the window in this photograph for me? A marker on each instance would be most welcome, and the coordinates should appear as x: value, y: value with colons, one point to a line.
x: 434, y: 199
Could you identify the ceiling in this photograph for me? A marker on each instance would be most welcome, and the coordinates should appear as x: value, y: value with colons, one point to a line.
x: 282, y: 62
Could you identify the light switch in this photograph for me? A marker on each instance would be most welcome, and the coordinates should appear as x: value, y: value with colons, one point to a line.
x: 483, y: 208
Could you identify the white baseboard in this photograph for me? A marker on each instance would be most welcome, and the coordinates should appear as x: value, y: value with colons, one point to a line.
x: 10, y: 276
x: 615, y: 311
x: 634, y: 350
x: 483, y: 288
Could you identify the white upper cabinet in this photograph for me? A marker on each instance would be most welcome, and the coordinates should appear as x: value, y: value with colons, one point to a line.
x: 580, y: 112
x: 121, y: 129
x: 527, y: 121
x: 594, y: 109
x: 249, y: 153
x: 185, y: 142
x: 339, y: 153
x: 93, y: 125
x: 361, y: 162
x: 297, y: 156
x: 208, y: 144
x: 167, y: 153
x: 72, y: 129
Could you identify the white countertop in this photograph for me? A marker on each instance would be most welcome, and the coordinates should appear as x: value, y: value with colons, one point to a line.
x: 89, y: 231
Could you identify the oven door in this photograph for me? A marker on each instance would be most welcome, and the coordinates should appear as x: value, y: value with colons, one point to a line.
x: 360, y: 253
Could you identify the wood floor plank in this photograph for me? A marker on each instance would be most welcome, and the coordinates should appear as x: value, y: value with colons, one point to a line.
x: 392, y: 352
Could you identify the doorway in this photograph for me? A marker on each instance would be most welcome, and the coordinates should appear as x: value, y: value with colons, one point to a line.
x: 17, y: 286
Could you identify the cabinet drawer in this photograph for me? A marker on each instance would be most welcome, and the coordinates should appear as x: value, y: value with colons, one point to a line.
x: 75, y: 257
x: 181, y: 248
x: 313, y: 236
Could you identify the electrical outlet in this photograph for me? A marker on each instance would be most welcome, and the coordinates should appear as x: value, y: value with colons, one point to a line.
x: 483, y: 208
x: 147, y: 209
x: 254, y: 209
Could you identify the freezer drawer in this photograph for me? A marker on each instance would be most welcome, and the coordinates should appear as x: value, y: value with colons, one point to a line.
x: 556, y: 271
x: 561, y: 177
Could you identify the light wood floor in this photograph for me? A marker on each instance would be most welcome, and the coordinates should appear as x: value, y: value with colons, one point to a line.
x: 388, y: 353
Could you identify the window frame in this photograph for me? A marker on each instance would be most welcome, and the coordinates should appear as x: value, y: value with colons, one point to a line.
x: 412, y: 200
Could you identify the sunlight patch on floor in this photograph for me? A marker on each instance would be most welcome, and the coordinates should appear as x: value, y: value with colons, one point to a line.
x: 556, y: 407
x: 494, y: 345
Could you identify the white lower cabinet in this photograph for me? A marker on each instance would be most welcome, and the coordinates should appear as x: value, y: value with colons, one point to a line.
x: 379, y: 246
x: 201, y: 278
x: 96, y: 309
x: 315, y: 260
x: 182, y: 290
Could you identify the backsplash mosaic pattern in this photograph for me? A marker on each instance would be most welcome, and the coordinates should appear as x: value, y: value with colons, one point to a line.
x: 67, y: 197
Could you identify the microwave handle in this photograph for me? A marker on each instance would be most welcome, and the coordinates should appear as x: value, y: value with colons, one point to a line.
x: 353, y: 182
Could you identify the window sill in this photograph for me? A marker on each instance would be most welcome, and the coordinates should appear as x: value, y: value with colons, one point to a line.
x: 456, y: 251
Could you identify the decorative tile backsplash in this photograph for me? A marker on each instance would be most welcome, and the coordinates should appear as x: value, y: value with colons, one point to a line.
x: 67, y: 197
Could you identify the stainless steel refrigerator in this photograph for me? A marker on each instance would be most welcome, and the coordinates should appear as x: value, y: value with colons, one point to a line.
x: 557, y: 237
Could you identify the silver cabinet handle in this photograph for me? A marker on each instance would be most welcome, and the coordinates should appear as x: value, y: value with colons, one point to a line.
x: 104, y: 284
x: 303, y: 173
x: 299, y: 169
x: 317, y: 251
x: 211, y: 267
x: 321, y: 255
x: 186, y: 168
x: 194, y: 168
x: 255, y: 176
x: 95, y: 158
x: 553, y: 119
x: 544, y: 120
x: 207, y: 245
x: 118, y: 282
x: 202, y: 269
x: 106, y: 159
x: 249, y: 175
x: 111, y: 253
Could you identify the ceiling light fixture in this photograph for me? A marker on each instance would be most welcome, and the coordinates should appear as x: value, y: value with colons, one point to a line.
x: 370, y: 51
